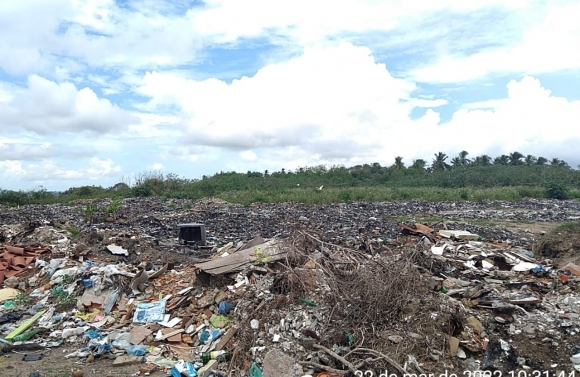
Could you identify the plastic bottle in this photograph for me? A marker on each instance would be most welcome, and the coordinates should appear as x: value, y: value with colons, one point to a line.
x: 215, y: 355
x: 308, y: 302
x: 25, y: 336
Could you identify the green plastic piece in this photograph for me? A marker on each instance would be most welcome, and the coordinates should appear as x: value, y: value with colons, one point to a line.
x: 350, y: 338
x: 308, y: 302
x: 25, y: 325
x: 444, y: 289
x: 255, y: 371
x: 25, y: 336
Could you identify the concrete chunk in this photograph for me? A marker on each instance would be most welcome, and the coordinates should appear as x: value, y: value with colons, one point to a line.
x: 277, y: 363
x: 127, y: 360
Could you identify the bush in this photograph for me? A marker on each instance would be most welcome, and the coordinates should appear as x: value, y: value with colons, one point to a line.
x: 142, y: 191
x: 556, y: 191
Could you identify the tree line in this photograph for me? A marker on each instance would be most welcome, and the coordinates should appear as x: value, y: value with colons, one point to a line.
x: 513, y: 170
x: 442, y: 162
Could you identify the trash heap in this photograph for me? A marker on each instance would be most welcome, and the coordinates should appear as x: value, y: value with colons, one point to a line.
x: 417, y: 299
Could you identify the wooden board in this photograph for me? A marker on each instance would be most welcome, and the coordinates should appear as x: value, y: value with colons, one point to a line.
x: 266, y: 252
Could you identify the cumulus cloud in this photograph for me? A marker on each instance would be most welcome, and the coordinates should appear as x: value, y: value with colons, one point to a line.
x: 328, y: 99
x: 301, y: 21
x: 549, y: 46
x: 39, y: 151
x: 47, y: 107
x: 155, y: 166
x: 530, y: 120
x: 98, y: 33
x: 338, y: 105
x: 248, y: 156
x: 96, y: 169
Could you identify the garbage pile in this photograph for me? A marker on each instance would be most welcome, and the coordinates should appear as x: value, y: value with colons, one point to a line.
x: 398, y: 297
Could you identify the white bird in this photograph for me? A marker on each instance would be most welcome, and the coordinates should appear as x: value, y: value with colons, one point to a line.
x: 320, y: 188
x: 298, y: 185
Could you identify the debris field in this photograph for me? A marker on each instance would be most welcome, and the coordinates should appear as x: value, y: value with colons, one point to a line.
x: 291, y: 290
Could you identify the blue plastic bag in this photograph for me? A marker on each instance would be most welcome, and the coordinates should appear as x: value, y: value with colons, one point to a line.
x: 207, y: 336
x: 93, y: 334
x: 136, y: 350
x: 226, y: 306
x: 183, y: 368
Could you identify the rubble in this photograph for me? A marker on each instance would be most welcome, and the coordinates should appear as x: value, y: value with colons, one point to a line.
x: 338, y: 290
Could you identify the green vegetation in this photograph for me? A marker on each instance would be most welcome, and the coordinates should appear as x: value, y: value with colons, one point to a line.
x: 114, y: 207
x: 506, y: 177
x: 90, y: 212
x: 568, y: 226
x: 75, y: 233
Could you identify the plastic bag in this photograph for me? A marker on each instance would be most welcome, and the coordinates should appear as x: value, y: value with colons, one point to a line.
x: 255, y: 371
x: 137, y: 350
x: 183, y: 369
x: 207, y: 336
x: 226, y: 306
x: 122, y: 341
x: 92, y: 334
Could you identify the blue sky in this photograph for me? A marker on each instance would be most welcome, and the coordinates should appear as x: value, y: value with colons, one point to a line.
x: 93, y: 92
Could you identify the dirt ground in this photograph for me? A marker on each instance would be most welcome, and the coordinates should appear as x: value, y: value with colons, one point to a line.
x: 54, y: 364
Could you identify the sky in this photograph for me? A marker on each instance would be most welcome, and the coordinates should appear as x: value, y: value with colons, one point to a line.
x: 96, y: 92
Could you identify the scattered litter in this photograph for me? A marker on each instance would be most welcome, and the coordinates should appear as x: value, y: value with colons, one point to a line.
x: 117, y: 250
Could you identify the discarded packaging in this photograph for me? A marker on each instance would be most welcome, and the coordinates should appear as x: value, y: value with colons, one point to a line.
x: 147, y: 312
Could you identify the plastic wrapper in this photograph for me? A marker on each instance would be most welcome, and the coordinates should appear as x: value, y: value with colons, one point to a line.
x: 183, y: 369
x: 147, y: 312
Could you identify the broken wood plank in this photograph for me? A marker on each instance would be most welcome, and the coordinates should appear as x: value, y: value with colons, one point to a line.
x: 169, y: 334
x: 264, y: 253
x: 139, y: 334
x: 225, y: 339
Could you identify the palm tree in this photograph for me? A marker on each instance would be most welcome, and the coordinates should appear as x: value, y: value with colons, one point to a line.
x: 439, y: 162
x: 419, y: 164
x: 482, y: 160
x: 542, y: 161
x: 515, y: 158
x: 530, y: 160
x: 463, y: 158
x: 501, y: 160
x: 375, y: 168
x: 399, y: 163
x: 456, y: 162
x: 559, y: 163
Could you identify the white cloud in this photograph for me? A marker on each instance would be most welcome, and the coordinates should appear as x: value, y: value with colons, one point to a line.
x: 155, y: 166
x: 315, y: 101
x: 306, y: 22
x: 12, y: 169
x: 46, y: 107
x: 530, y: 120
x: 336, y: 104
x: 550, y: 46
x: 249, y: 156
x: 50, y: 170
